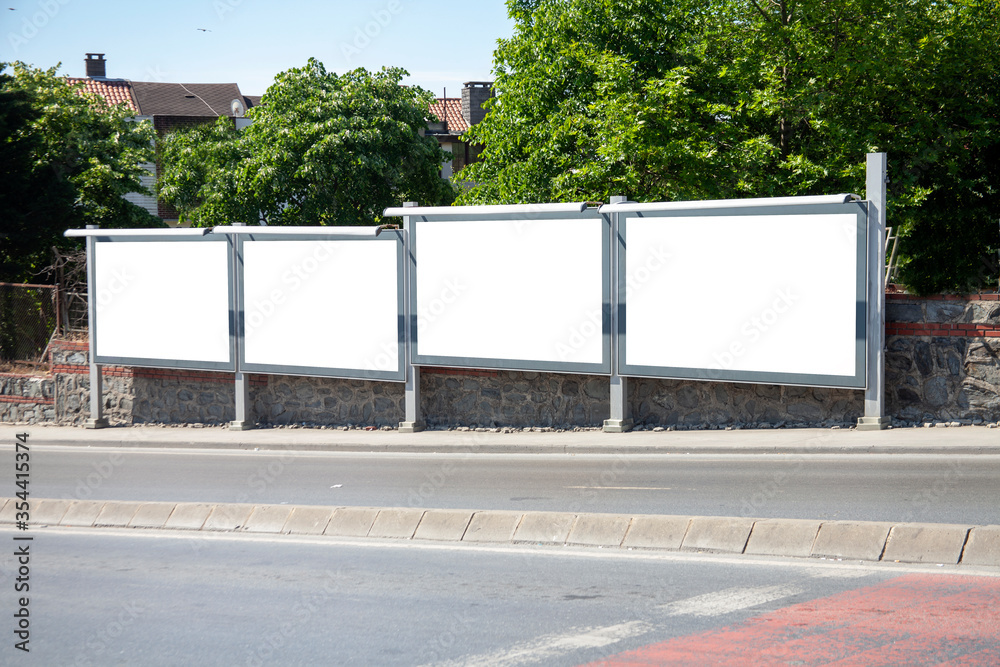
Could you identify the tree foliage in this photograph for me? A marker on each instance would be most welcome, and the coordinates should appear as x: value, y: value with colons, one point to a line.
x: 737, y: 98
x: 66, y: 160
x: 322, y: 149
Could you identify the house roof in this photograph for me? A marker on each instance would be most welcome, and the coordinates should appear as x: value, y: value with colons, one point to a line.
x: 449, y: 110
x: 185, y: 99
x: 114, y: 91
x: 252, y: 100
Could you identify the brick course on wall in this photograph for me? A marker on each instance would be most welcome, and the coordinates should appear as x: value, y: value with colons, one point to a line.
x: 942, y: 364
x: 943, y: 357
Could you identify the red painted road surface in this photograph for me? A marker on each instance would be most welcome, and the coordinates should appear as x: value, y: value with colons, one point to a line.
x: 912, y: 620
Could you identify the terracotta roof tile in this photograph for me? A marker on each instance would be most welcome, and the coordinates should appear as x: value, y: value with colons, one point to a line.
x: 114, y: 91
x: 449, y: 110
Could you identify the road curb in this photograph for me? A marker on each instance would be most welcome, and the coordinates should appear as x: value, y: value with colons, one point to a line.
x: 790, y: 442
x: 945, y: 544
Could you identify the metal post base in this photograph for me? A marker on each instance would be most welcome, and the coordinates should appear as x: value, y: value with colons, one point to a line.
x: 96, y: 423
x: 874, y: 423
x: 241, y: 425
x: 617, y: 425
x: 411, y: 427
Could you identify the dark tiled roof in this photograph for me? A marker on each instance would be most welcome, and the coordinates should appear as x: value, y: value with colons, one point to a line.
x: 114, y: 91
x: 251, y: 101
x: 185, y: 99
x: 449, y: 110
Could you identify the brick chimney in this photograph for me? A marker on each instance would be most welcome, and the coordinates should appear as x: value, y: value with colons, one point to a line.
x: 474, y: 93
x: 95, y: 66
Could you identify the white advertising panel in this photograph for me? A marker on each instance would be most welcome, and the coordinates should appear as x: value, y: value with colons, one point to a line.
x: 324, y: 306
x: 743, y: 296
x: 163, y: 301
x: 512, y: 293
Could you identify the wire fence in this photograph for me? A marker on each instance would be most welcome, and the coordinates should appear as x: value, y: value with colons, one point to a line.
x: 72, y: 312
x: 29, y: 316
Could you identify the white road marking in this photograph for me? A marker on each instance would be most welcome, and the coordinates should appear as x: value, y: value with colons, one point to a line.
x: 729, y: 600
x: 622, y: 488
x: 846, y: 572
x: 553, y: 646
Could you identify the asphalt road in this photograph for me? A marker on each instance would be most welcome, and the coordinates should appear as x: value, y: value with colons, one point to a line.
x: 104, y: 598
x: 929, y: 488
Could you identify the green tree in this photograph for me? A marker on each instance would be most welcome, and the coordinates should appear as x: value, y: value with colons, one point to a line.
x: 322, y: 149
x: 595, y: 97
x: 815, y: 85
x: 737, y: 98
x: 68, y: 159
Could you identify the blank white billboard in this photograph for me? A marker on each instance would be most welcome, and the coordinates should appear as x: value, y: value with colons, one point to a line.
x: 318, y: 306
x: 740, y: 297
x: 165, y: 302
x: 511, y: 293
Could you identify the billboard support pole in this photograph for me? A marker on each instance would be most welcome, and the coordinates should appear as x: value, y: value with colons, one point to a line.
x: 875, y: 419
x: 413, y: 420
x: 97, y: 419
x: 241, y: 419
x: 621, y: 410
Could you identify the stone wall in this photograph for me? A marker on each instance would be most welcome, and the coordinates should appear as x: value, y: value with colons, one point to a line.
x: 943, y: 358
x: 328, y: 401
x: 26, y: 399
x: 177, y: 397
x: 181, y: 397
x: 689, y: 404
x: 71, y: 374
x: 942, y: 364
x: 73, y: 397
x: 512, y: 398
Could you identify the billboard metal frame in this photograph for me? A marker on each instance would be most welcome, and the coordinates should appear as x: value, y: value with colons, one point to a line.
x: 857, y: 380
x: 416, y: 215
x: 388, y: 236
x: 158, y: 362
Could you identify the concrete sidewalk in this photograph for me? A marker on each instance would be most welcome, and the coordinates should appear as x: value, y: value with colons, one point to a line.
x: 951, y: 440
x: 945, y: 544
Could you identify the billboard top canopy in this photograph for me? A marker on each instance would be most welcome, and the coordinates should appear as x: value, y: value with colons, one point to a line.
x: 368, y: 232
x: 633, y: 207
x: 300, y: 231
x: 526, y: 209
x: 96, y: 231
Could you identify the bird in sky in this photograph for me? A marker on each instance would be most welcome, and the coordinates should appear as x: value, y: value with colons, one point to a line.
x: 204, y: 29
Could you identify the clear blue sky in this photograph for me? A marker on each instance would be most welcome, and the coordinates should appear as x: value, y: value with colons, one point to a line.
x: 442, y: 43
